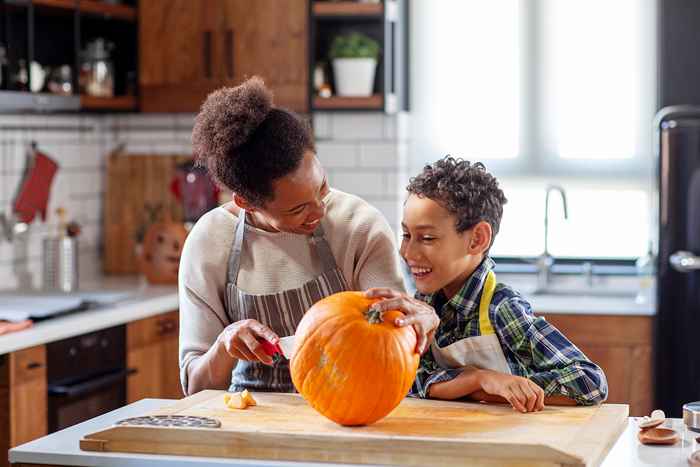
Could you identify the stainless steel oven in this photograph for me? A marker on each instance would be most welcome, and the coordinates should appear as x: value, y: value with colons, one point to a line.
x: 86, y: 376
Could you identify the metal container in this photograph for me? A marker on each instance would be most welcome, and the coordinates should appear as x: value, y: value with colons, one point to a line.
x: 691, y: 416
x: 60, y: 263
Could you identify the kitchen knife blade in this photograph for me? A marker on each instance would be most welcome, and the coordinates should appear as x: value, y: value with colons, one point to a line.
x: 285, y: 347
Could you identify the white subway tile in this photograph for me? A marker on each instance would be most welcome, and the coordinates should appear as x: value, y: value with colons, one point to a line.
x: 362, y: 184
x: 322, y: 125
x: 148, y: 120
x: 185, y: 121
x: 334, y: 155
x: 379, y: 155
x: 358, y: 126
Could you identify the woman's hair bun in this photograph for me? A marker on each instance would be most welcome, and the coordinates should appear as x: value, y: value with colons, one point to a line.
x: 228, y: 118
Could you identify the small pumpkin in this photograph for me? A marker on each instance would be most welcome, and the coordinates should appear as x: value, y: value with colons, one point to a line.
x: 162, y: 247
x: 352, y: 364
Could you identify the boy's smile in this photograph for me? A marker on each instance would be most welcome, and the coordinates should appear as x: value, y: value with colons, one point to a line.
x: 439, y: 257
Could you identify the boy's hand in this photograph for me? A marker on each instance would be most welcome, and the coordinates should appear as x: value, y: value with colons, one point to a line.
x: 521, y: 393
x: 418, y: 314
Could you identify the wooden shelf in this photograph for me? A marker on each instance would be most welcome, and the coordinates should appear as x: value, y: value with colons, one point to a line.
x: 374, y: 102
x: 348, y: 9
x: 95, y: 7
x: 108, y: 103
x: 124, y: 12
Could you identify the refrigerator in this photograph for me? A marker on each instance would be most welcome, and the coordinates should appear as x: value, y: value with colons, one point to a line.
x: 677, y: 323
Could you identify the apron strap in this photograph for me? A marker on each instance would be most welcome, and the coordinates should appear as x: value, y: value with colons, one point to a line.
x: 323, y: 249
x: 485, y: 326
x: 234, y: 259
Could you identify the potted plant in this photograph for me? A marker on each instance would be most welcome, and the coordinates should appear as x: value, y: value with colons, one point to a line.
x: 354, y: 59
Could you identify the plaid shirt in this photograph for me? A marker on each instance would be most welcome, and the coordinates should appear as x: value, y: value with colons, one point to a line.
x: 533, y: 348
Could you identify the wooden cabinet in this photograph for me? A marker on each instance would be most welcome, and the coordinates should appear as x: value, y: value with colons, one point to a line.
x: 23, y: 398
x: 152, y: 350
x: 621, y: 345
x: 188, y: 49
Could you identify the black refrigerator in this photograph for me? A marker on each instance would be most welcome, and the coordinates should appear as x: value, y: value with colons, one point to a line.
x: 677, y: 330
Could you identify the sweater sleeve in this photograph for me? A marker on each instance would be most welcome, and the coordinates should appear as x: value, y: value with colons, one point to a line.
x: 201, y: 285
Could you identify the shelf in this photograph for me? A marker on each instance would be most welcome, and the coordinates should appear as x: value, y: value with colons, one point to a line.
x: 108, y: 103
x: 94, y: 7
x: 339, y: 9
x: 374, y: 102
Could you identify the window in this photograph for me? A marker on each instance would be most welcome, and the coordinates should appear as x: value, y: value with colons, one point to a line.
x: 542, y: 92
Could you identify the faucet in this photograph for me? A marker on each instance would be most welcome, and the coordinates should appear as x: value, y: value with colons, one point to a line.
x: 545, y: 261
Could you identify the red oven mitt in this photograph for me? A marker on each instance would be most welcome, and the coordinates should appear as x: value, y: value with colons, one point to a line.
x: 33, y: 196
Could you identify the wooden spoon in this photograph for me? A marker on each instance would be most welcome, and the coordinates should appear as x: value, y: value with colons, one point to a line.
x: 658, y: 436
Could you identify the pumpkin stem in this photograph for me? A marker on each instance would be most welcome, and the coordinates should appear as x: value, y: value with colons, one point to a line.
x: 373, y: 316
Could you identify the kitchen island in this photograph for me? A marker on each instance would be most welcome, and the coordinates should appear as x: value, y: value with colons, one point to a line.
x: 61, y: 448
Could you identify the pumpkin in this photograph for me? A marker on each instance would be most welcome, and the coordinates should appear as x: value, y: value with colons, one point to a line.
x: 239, y: 400
x: 162, y: 247
x: 352, y: 364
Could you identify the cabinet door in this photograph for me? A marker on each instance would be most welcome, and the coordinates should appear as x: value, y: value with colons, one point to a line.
x: 177, y: 47
x: 28, y: 395
x: 152, y: 345
x: 268, y: 38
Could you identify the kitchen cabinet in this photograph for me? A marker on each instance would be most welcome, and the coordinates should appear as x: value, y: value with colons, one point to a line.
x: 152, y: 351
x: 621, y: 345
x: 188, y: 49
x: 23, y: 398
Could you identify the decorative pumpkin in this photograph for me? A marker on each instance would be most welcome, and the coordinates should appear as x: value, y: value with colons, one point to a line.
x: 162, y: 247
x: 352, y: 364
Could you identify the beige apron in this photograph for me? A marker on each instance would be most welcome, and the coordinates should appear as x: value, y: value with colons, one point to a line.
x: 280, y: 311
x: 483, y: 351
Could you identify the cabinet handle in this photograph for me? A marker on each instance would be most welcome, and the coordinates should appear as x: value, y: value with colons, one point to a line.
x: 206, y: 50
x: 228, y: 50
x: 166, y: 326
x: 34, y: 365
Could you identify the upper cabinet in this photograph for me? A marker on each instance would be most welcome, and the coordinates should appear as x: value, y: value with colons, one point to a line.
x: 188, y: 49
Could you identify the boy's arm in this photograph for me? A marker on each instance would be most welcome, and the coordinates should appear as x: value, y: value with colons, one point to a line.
x: 429, y: 374
x: 559, y: 367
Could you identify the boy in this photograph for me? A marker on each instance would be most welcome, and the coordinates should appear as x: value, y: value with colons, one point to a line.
x: 488, y: 345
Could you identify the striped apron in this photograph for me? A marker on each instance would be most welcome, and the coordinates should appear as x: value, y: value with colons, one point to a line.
x: 483, y: 351
x: 280, y: 311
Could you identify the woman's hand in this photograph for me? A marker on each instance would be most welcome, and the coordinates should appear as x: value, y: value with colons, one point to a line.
x: 521, y: 393
x: 419, y: 314
x: 242, y: 340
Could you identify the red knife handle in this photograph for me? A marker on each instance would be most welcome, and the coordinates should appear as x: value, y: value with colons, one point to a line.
x: 270, y: 348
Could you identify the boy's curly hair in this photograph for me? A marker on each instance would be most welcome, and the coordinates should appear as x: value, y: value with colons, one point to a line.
x: 466, y: 190
x: 246, y: 142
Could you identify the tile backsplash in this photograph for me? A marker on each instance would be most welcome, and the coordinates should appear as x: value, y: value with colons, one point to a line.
x: 363, y: 153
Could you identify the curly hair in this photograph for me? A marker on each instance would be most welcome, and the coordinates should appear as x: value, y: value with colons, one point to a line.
x: 466, y: 190
x: 246, y: 143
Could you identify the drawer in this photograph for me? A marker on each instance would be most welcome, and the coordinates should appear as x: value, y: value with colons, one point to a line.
x: 152, y: 330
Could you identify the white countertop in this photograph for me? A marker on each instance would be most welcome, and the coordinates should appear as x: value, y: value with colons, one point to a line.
x: 61, y: 448
x: 143, y: 300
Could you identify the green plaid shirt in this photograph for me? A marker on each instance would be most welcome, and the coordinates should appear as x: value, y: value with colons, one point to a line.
x: 533, y: 348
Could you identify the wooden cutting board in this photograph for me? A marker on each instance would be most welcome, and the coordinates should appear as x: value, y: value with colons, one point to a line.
x: 134, y: 183
x: 417, y: 432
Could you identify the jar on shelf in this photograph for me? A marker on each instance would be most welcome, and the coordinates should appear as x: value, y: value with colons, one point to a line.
x: 97, y: 69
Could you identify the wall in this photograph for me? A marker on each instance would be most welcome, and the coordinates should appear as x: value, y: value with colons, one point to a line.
x: 363, y: 154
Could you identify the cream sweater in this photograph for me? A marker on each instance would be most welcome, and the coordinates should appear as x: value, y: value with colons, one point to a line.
x: 359, y: 237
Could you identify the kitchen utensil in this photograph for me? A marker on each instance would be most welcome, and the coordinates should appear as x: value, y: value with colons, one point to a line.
x: 284, y: 427
x: 691, y: 415
x: 284, y: 347
x: 658, y: 436
x: 60, y: 263
x: 35, y: 189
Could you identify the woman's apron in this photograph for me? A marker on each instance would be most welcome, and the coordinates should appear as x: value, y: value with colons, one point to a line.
x: 281, y: 311
x: 483, y: 351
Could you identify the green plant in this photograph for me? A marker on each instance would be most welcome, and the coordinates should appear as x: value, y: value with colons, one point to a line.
x: 354, y: 45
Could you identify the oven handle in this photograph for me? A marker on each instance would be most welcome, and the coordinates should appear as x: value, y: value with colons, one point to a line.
x: 79, y: 389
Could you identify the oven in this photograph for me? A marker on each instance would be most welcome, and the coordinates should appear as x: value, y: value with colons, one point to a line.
x: 86, y: 376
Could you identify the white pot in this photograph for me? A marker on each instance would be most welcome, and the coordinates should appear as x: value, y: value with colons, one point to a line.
x: 354, y: 77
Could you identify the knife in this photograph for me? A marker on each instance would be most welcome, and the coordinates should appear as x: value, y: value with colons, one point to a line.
x: 284, y: 347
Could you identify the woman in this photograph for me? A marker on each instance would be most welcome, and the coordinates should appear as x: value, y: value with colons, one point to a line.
x: 251, y: 268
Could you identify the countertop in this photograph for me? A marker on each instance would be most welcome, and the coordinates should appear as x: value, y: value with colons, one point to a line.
x: 61, y: 448
x: 143, y: 301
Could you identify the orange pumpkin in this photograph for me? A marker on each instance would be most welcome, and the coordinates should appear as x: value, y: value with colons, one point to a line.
x: 162, y: 247
x: 353, y: 365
